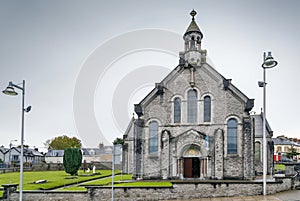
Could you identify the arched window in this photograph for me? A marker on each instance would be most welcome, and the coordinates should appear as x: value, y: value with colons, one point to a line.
x: 177, y: 110
x: 153, y: 137
x: 232, y: 136
x: 257, y: 151
x: 207, y: 109
x: 192, y: 106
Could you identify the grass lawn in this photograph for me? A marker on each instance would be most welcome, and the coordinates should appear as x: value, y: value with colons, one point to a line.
x: 125, y: 180
x: 107, y: 181
x: 146, y: 184
x: 61, y: 178
x: 54, y: 178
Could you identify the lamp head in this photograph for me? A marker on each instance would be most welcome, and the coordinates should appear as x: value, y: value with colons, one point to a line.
x: 269, y: 61
x: 10, y: 90
x: 27, y: 109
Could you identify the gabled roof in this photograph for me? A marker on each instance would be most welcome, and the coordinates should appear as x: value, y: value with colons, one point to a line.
x: 28, y: 152
x: 205, y: 67
x: 32, y: 152
x: 130, y: 130
x: 259, y: 117
x: 191, y: 132
x: 4, y: 150
x: 278, y: 141
x: 55, y: 153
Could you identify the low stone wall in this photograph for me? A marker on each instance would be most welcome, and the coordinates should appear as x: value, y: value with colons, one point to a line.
x: 50, y: 195
x: 191, y: 190
x: 181, y: 189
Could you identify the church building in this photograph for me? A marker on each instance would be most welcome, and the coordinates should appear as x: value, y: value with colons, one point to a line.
x: 194, y: 124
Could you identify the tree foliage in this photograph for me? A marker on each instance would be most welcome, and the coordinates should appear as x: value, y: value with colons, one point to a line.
x: 118, y: 141
x: 292, y: 152
x: 63, y: 142
x: 72, y: 160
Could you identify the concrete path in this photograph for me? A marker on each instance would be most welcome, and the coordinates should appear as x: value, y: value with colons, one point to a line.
x: 293, y: 195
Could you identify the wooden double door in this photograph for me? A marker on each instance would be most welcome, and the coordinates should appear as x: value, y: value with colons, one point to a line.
x: 191, y: 167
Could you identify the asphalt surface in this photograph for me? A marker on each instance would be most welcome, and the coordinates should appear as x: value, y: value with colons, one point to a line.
x: 293, y: 195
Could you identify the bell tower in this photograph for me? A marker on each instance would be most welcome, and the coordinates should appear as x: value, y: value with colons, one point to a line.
x: 192, y: 44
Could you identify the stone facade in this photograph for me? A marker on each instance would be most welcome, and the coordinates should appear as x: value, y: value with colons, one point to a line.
x: 194, y: 124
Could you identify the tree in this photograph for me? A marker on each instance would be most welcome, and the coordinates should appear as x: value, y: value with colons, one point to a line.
x: 63, y: 142
x: 72, y: 160
x: 118, y: 141
x: 292, y: 152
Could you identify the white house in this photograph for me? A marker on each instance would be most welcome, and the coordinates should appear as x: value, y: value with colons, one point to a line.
x: 54, y: 156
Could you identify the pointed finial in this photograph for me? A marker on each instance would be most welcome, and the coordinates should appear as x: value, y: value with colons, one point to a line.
x: 193, y: 13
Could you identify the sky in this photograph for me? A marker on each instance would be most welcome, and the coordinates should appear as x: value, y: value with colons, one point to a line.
x: 86, y: 63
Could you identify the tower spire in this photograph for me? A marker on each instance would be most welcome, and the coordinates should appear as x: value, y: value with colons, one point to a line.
x: 192, y: 42
x: 193, y: 13
x: 193, y: 27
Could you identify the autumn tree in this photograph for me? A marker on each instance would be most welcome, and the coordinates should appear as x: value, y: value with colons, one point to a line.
x: 63, y: 142
x: 72, y: 160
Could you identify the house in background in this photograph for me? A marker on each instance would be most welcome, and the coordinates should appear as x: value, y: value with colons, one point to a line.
x: 3, y: 154
x: 102, y: 154
x: 13, y: 155
x: 89, y: 155
x: 54, y: 156
x: 31, y: 156
x: 282, y: 146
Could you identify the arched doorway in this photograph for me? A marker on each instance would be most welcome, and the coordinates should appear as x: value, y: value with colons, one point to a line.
x: 191, y: 162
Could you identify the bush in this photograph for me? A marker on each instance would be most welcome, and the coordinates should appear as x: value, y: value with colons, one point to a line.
x: 72, y: 160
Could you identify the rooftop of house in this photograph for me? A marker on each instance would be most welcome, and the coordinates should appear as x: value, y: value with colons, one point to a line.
x: 285, y: 141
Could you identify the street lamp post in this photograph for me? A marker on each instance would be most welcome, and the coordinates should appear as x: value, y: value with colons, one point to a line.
x: 268, y: 62
x: 10, y: 90
x: 9, y: 155
x: 113, y: 174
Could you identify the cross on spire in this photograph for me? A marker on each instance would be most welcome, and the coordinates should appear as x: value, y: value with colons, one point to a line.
x: 193, y: 13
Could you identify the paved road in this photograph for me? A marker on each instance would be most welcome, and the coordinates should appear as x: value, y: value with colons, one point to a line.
x: 293, y: 195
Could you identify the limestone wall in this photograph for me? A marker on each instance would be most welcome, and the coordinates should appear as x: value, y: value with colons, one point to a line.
x: 180, y: 190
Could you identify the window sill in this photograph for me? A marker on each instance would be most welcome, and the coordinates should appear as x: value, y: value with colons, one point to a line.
x: 233, y: 155
x: 153, y: 156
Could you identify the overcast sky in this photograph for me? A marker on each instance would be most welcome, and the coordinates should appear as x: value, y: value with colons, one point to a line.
x: 55, y: 45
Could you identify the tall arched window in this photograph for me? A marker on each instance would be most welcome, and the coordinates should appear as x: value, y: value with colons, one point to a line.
x: 207, y: 109
x: 177, y: 110
x: 257, y: 151
x: 192, y: 106
x: 232, y: 136
x: 153, y: 137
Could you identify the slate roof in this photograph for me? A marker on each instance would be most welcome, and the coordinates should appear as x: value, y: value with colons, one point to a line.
x: 3, y: 149
x: 55, y: 153
x: 278, y: 141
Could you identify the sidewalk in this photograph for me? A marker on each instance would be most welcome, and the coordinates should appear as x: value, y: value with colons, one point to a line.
x: 244, y: 198
x: 293, y: 195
